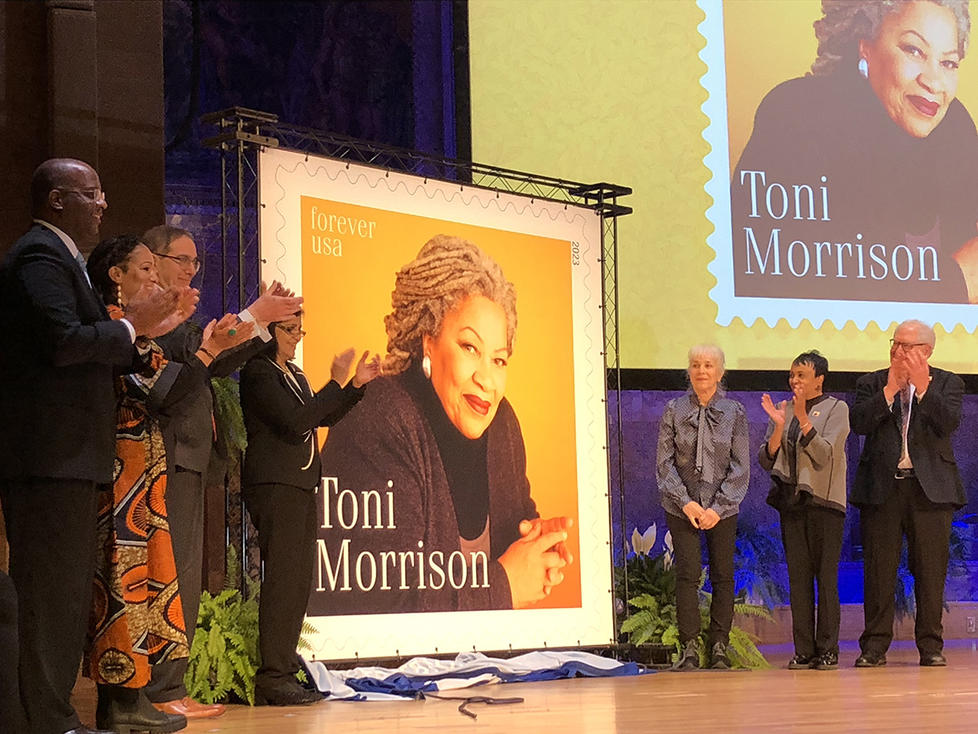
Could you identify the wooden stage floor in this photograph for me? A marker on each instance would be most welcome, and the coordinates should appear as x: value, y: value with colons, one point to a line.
x: 899, y: 697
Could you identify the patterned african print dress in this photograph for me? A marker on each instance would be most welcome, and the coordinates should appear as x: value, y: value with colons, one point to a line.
x: 137, y: 619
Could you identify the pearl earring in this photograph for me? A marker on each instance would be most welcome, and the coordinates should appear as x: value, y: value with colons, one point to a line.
x: 863, y: 67
x: 426, y: 366
x: 118, y: 295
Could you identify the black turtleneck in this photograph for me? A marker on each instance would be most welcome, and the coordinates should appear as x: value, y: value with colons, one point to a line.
x: 463, y: 459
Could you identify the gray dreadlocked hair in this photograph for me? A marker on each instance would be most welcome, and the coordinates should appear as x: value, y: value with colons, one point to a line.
x: 845, y: 22
x: 446, y: 271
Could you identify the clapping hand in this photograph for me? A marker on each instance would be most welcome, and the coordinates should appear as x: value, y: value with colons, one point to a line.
x: 152, y: 310
x: 918, y: 371
x: 775, y: 412
x: 226, y: 333
x: 187, y: 300
x: 366, y: 369
x: 340, y: 369
x: 276, y: 303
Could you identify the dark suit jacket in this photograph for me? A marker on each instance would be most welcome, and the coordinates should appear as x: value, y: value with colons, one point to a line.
x: 282, y: 421
x: 932, y: 421
x: 59, y: 352
x: 188, y: 425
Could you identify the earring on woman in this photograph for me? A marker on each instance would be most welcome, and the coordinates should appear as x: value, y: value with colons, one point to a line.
x: 118, y: 295
x: 863, y: 67
x: 426, y: 366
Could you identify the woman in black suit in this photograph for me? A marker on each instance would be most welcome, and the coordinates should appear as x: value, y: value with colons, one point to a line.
x: 281, y: 471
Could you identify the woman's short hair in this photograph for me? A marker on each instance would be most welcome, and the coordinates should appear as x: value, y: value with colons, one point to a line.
x: 708, y: 350
x: 107, y: 254
x: 813, y: 358
x: 845, y: 22
x: 446, y: 271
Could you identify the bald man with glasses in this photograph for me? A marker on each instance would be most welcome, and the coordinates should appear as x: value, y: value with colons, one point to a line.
x: 59, y: 355
x: 907, y: 485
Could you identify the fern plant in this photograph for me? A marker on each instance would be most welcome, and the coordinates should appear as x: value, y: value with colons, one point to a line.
x: 228, y: 418
x: 224, y: 654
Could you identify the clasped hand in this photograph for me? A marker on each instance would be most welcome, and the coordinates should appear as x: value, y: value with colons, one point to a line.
x: 700, y: 518
x: 533, y: 563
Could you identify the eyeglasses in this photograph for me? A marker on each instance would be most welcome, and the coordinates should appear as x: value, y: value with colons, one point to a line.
x: 293, y: 330
x: 187, y: 263
x: 92, y: 195
x: 905, y: 346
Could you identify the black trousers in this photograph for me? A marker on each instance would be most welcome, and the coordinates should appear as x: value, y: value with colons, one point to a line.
x: 185, y: 514
x: 720, y: 542
x: 812, y: 538
x: 11, y: 712
x: 286, y: 521
x: 927, y: 527
x: 51, y: 529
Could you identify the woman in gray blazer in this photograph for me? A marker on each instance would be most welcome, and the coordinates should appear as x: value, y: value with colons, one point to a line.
x: 805, y: 452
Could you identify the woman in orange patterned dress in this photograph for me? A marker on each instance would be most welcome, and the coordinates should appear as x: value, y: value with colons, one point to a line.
x: 137, y: 619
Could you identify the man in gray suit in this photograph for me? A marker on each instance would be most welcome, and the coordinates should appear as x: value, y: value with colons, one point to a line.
x: 907, y: 484
x: 188, y: 431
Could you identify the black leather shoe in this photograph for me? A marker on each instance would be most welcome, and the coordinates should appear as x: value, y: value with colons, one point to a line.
x: 801, y: 662
x: 933, y: 660
x: 871, y: 660
x: 689, y: 658
x: 827, y: 661
x: 285, y: 694
x: 128, y: 711
x: 718, y: 657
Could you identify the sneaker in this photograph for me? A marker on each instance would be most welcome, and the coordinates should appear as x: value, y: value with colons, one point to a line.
x: 718, y: 657
x: 826, y: 661
x: 689, y: 658
x: 802, y: 662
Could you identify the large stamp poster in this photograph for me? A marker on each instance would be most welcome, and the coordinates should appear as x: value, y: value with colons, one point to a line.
x: 849, y: 189
x: 488, y: 429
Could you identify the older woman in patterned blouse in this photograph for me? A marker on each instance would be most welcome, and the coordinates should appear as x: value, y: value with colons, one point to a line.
x: 702, y: 467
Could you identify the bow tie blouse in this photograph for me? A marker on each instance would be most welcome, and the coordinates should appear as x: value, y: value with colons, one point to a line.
x: 703, y: 455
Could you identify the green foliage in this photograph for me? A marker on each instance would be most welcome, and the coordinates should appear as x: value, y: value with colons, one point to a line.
x: 228, y: 417
x: 224, y: 653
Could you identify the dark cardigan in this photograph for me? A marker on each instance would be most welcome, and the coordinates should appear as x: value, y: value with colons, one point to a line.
x: 386, y: 444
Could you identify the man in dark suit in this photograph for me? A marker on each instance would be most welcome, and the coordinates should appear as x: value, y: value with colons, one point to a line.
x: 188, y: 430
x: 907, y: 484
x: 11, y: 712
x: 58, y: 355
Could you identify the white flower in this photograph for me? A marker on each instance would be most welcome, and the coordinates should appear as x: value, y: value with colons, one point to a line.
x: 667, y: 554
x: 643, y: 544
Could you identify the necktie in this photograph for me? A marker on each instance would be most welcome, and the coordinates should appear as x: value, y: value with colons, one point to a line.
x: 80, y: 259
x: 906, y: 405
